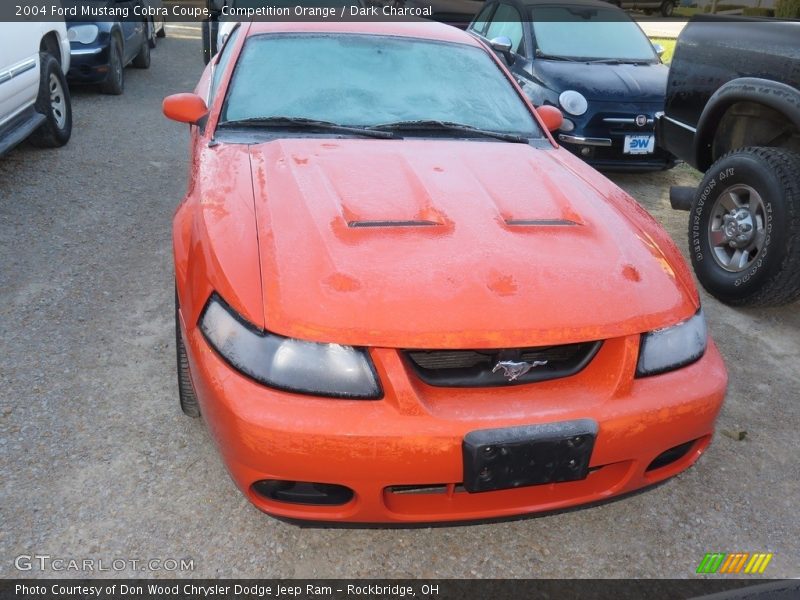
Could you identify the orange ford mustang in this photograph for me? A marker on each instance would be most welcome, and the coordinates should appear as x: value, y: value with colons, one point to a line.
x: 398, y: 300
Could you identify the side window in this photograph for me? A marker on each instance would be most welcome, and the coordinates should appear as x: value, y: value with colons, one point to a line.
x: 508, y: 22
x: 482, y: 20
x: 224, y: 59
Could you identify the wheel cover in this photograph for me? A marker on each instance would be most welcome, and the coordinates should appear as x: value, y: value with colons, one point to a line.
x: 58, y: 102
x: 737, y: 228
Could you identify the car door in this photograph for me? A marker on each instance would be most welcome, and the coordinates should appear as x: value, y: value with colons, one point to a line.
x: 19, y: 67
x: 133, y: 29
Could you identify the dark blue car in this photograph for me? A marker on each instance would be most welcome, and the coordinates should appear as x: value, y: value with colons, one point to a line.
x: 594, y: 63
x: 100, y: 50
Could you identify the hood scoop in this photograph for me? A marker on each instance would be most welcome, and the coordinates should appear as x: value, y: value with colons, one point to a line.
x: 392, y: 223
x: 541, y: 223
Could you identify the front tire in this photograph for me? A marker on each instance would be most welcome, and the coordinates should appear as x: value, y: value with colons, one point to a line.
x: 54, y: 103
x: 744, y: 228
x: 162, y: 33
x: 115, y: 82
x: 667, y: 8
x: 186, y: 394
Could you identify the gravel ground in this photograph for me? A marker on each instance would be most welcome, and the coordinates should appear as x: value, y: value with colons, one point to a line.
x: 97, y: 461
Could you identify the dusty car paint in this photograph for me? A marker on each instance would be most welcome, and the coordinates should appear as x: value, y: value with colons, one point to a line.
x: 524, y: 246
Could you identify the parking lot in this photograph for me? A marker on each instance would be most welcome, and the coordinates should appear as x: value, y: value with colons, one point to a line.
x: 97, y: 461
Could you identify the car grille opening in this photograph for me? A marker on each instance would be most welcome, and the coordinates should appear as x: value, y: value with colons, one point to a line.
x: 670, y: 456
x: 303, y: 492
x: 439, y: 489
x: 488, y: 368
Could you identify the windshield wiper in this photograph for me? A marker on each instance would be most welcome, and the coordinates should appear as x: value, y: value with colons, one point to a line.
x: 617, y: 61
x: 305, y: 123
x: 540, y: 54
x: 451, y: 126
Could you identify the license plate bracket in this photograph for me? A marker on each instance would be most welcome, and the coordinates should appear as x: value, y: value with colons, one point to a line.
x: 496, y: 459
x: 639, y: 144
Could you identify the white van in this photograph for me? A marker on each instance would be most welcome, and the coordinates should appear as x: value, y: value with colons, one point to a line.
x: 34, y: 97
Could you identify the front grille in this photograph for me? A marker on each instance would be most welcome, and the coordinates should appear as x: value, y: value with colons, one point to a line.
x: 488, y: 368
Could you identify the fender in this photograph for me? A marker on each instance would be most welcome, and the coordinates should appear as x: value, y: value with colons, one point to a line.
x: 779, y: 96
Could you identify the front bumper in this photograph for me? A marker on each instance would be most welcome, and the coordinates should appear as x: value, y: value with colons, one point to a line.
x: 599, y: 139
x: 413, y: 436
x: 89, y: 63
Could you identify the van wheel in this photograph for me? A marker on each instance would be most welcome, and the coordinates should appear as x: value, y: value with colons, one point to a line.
x: 54, y: 103
x: 744, y: 228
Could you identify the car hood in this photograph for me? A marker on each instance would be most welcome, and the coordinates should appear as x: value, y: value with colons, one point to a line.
x: 625, y: 82
x: 435, y: 244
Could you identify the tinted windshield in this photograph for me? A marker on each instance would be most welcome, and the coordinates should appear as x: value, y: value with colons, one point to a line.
x: 589, y: 33
x: 368, y: 80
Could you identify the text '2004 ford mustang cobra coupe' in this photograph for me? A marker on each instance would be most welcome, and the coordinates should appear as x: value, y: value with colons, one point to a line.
x: 398, y: 300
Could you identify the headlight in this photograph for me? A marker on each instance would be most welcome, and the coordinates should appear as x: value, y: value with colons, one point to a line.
x: 573, y: 102
x: 674, y: 347
x: 285, y: 363
x: 83, y: 34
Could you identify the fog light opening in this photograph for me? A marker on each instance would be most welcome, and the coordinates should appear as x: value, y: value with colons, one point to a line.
x: 303, y: 492
x: 670, y: 456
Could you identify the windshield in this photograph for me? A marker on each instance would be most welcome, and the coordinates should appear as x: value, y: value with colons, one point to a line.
x: 589, y: 33
x: 369, y: 80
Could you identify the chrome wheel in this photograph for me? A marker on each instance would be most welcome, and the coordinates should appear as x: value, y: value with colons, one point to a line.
x: 58, y: 103
x: 737, y: 228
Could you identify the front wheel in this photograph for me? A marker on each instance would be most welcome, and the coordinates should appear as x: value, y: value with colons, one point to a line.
x: 667, y: 8
x: 115, y: 81
x: 186, y: 394
x: 54, y: 103
x: 744, y: 228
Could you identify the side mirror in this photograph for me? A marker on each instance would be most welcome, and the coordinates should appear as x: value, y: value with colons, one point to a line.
x: 502, y: 44
x: 550, y: 116
x: 659, y: 50
x: 184, y: 108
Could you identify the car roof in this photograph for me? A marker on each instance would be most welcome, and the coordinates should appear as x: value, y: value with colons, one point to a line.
x: 428, y: 30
